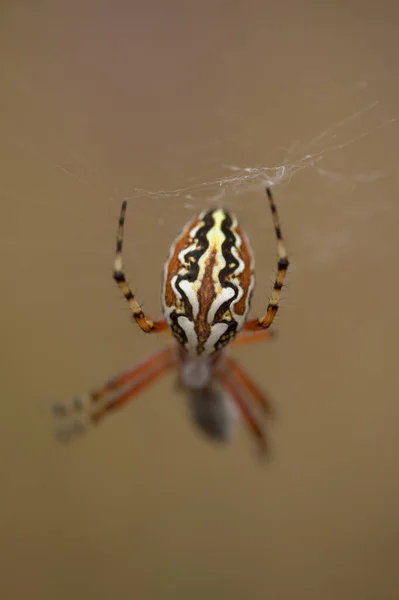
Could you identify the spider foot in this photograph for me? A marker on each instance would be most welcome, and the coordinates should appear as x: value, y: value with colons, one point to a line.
x: 73, y: 416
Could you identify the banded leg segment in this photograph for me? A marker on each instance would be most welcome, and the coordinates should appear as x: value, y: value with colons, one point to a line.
x: 142, y: 321
x: 282, y: 266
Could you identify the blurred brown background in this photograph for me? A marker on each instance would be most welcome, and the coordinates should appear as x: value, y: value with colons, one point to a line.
x: 179, y: 105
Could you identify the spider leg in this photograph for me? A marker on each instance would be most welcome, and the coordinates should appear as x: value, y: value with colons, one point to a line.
x: 132, y: 391
x: 234, y: 389
x: 141, y: 368
x: 83, y: 411
x: 142, y: 321
x: 252, y: 336
x: 282, y: 266
x: 246, y: 383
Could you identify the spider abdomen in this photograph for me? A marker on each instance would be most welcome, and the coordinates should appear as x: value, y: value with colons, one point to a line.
x: 208, y: 282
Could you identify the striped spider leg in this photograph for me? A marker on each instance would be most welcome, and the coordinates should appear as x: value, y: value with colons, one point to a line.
x: 147, y: 325
x: 282, y: 267
x: 207, y: 287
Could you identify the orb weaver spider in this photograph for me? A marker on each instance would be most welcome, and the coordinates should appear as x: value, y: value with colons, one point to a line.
x: 207, y: 287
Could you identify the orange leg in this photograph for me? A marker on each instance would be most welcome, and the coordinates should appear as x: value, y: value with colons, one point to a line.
x: 141, y: 368
x: 251, y: 334
x: 234, y: 390
x: 134, y: 389
x: 249, y: 385
x: 81, y: 411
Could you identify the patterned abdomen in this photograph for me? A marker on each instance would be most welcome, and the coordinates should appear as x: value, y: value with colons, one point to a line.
x: 208, y: 282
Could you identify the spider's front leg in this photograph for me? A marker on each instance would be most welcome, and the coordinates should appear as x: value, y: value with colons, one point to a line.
x: 142, y: 321
x: 282, y: 267
x: 80, y: 412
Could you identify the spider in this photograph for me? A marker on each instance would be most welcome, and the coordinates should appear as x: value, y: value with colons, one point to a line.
x: 208, y: 281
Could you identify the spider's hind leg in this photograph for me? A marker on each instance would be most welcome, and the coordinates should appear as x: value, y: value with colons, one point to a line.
x: 142, y: 321
x: 282, y: 267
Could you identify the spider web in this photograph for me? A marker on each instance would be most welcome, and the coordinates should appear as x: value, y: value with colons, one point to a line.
x: 239, y: 179
x: 244, y: 178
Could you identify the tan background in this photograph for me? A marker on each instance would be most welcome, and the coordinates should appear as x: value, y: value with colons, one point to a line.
x: 157, y: 101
